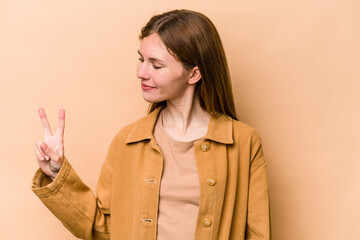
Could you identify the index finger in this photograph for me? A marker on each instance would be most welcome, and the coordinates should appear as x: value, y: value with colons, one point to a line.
x: 45, y: 122
x: 61, y: 123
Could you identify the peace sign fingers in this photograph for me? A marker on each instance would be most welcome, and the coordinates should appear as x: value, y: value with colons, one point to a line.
x: 50, y: 151
x: 45, y: 123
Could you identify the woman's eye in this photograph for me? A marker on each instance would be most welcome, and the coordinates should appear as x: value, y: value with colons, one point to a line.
x: 156, y: 67
x: 141, y: 60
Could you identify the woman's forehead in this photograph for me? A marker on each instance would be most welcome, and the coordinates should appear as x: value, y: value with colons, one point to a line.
x: 153, y: 47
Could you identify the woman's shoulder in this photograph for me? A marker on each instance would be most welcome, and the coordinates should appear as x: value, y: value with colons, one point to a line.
x: 228, y: 130
x: 242, y: 130
x: 138, y: 130
x: 124, y: 131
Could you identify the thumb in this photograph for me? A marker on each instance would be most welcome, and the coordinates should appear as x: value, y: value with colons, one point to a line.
x: 48, y: 151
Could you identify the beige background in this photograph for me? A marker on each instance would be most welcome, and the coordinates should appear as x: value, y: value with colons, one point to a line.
x: 295, y: 70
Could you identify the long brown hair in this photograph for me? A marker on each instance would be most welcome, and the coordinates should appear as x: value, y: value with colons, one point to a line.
x: 194, y: 41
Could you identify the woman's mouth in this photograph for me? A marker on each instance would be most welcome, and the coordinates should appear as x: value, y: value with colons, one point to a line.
x: 146, y: 87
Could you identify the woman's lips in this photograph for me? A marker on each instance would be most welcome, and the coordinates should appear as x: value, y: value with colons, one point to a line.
x: 146, y: 87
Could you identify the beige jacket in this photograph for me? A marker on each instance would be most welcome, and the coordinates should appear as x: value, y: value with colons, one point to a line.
x: 234, y: 201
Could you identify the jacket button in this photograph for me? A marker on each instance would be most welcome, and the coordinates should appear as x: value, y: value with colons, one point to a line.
x: 205, y: 147
x: 207, y: 222
x: 211, y: 181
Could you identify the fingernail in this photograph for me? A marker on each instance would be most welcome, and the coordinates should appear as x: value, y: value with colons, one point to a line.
x: 47, y: 157
x: 43, y: 146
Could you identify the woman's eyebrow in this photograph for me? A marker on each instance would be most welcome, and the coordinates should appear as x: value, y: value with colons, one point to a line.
x: 153, y: 59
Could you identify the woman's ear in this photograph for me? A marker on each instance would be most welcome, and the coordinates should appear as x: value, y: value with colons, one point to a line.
x: 195, y: 76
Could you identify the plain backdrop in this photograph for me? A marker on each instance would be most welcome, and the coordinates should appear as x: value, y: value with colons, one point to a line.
x: 295, y: 74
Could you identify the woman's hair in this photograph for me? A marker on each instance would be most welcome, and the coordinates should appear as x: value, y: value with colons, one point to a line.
x: 194, y: 41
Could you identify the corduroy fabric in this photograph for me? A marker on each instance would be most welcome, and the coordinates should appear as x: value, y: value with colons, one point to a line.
x: 234, y: 202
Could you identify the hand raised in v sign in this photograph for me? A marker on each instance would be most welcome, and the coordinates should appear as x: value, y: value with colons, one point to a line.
x: 50, y: 151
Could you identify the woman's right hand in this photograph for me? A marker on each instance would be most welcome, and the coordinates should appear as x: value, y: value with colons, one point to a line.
x: 50, y: 151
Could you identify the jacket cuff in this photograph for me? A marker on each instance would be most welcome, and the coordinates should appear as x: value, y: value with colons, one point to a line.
x: 42, y: 185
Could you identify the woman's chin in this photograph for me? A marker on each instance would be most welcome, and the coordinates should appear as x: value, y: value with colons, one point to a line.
x: 150, y: 99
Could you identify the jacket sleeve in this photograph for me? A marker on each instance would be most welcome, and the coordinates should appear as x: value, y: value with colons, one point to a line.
x: 258, y: 220
x: 74, y: 204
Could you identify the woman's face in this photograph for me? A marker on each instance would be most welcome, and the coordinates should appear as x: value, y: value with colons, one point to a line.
x: 162, y: 76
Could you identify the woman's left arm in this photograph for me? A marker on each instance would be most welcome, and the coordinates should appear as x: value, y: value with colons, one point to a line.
x: 258, y: 219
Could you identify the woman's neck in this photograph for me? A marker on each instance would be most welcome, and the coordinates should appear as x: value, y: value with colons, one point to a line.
x: 185, y: 120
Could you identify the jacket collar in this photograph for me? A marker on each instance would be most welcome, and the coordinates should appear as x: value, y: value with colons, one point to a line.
x: 219, y: 130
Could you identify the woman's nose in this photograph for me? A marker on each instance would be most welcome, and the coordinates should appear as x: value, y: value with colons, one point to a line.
x: 142, y: 71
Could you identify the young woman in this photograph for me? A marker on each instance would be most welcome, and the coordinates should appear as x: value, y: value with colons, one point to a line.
x: 187, y: 170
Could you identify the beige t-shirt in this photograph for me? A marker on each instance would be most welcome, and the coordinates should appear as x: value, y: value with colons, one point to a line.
x: 179, y: 188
